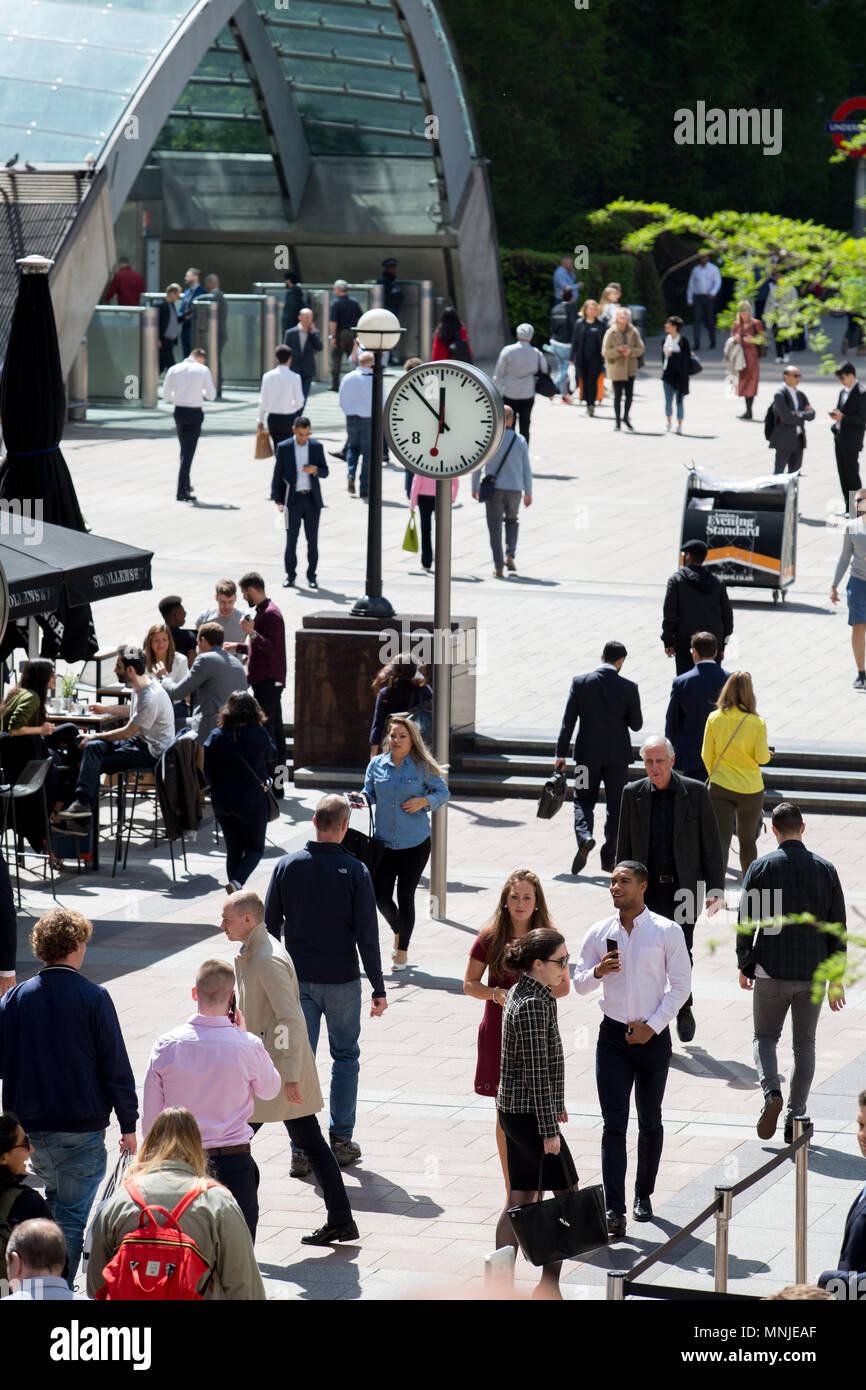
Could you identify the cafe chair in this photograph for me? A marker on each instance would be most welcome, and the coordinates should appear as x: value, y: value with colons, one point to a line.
x: 175, y: 794
x: 29, y: 783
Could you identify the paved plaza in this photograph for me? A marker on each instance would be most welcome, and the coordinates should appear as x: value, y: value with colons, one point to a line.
x: 595, y: 550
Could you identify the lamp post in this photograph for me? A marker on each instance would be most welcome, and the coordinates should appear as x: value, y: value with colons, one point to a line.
x: 378, y: 331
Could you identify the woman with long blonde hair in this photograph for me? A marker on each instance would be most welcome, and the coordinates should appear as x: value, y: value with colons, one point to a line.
x: 521, y: 908
x: 733, y: 752
x: 403, y: 784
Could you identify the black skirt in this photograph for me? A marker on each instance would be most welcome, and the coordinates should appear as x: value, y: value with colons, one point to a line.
x: 524, y: 1147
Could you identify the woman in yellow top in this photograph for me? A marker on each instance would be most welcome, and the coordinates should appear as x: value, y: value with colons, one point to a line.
x: 734, y: 748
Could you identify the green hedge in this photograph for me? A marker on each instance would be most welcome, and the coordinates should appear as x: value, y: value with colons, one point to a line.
x: 528, y: 279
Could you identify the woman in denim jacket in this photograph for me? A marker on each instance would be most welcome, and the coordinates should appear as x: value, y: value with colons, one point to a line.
x: 404, y: 784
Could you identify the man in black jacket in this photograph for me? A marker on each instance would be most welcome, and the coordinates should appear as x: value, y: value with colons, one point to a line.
x: 294, y: 302
x: 300, y: 463
x: 782, y: 964
x: 695, y: 601
x: 168, y: 326
x: 668, y: 823
x: 322, y: 899
x: 848, y: 429
x: 849, y: 1280
x: 607, y: 706
x: 791, y: 411
x: 304, y: 342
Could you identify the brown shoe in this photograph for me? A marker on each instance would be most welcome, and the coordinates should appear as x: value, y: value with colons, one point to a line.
x: 769, y: 1116
x: 498, y: 574
x: 509, y: 564
x: 350, y: 486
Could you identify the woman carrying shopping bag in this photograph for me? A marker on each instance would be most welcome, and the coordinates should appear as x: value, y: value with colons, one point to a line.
x: 423, y: 496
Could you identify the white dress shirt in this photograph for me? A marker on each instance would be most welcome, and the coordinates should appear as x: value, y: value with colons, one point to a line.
x: 281, y: 393
x: 188, y: 384
x: 655, y: 977
x: 356, y: 393
x: 302, y: 458
x: 704, y: 279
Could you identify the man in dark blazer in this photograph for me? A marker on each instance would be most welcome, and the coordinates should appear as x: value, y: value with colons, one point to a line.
x: 791, y: 410
x: 693, y: 698
x: 304, y: 342
x: 607, y: 706
x: 168, y: 326
x: 849, y: 426
x: 300, y: 463
x: 213, y: 676
x: 695, y: 601
x: 852, y: 1260
x: 667, y: 822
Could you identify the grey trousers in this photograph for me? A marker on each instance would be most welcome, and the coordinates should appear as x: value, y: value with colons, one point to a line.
x: 771, y: 1001
x: 504, y: 505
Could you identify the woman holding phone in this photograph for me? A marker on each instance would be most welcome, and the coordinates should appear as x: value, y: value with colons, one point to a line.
x: 531, y: 1095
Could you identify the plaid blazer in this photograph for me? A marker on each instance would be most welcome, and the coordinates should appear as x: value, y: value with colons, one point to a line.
x: 532, y: 1075
x: 804, y: 882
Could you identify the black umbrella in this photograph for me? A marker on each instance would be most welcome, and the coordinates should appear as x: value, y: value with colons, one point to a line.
x: 35, y: 477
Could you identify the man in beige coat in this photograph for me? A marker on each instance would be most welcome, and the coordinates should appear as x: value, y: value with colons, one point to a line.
x: 269, y: 1002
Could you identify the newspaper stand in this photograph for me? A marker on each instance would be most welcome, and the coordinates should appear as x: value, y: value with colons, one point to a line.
x: 750, y: 528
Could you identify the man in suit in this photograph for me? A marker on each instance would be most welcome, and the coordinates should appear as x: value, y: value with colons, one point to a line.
x: 783, y: 964
x: 296, y: 299
x: 304, y: 342
x: 791, y: 411
x: 607, y: 706
x: 849, y: 426
x: 299, y: 464
x: 214, y: 676
x: 852, y: 1259
x: 168, y: 328
x: 194, y: 288
x: 695, y: 601
x: 693, y: 698
x: 667, y: 822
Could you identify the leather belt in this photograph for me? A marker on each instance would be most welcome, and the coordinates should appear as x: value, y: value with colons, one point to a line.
x: 230, y: 1149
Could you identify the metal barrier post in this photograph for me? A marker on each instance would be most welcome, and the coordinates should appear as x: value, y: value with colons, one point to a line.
x: 213, y: 340
x: 149, y: 352
x: 616, y: 1285
x: 320, y: 303
x: 723, y: 1218
x: 270, y: 331
x: 801, y: 1166
x: 425, y: 318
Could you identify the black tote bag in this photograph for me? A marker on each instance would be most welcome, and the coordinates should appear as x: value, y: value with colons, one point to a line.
x: 560, y: 1228
x: 364, y: 847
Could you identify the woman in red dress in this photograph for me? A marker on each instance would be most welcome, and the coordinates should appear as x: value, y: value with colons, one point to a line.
x: 749, y: 333
x: 450, y: 339
x: 521, y: 909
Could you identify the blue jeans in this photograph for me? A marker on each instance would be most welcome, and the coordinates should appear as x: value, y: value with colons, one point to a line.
x: 671, y: 392
x: 341, y: 1007
x: 103, y: 755
x: 563, y: 355
x: 358, y: 446
x: 71, y: 1166
x: 619, y: 1066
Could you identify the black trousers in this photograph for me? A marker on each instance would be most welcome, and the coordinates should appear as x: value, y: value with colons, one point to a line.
x: 166, y: 353
x: 306, y: 1135
x: 280, y: 427
x: 404, y: 868
x: 302, y: 511
x: 188, y: 422
x: 789, y: 460
x: 662, y: 898
x: 426, y: 509
x: 847, y: 455
x: 522, y: 410
x: 622, y: 389
x: 245, y: 844
x: 621, y: 1066
x: 239, y: 1173
x: 705, y: 312
x: 614, y: 777
x: 269, y: 695
x: 345, y: 343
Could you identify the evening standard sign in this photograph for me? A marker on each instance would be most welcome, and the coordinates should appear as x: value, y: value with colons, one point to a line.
x: 733, y: 524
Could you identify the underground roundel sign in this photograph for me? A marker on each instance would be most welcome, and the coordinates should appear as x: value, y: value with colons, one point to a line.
x: 843, y: 123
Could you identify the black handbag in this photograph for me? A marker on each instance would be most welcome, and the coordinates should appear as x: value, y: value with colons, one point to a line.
x: 272, y: 803
x: 487, y: 485
x: 552, y: 797
x: 560, y: 1228
x: 695, y: 365
x: 364, y: 847
x: 544, y: 383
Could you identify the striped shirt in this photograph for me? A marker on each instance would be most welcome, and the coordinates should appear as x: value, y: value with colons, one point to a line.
x: 532, y: 1075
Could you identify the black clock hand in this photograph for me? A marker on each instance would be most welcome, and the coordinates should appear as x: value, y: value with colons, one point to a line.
x: 431, y: 408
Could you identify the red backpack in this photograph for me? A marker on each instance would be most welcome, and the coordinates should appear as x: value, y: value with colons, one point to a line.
x: 156, y: 1261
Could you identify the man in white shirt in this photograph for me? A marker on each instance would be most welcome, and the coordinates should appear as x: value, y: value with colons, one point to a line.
x: 141, y: 741
x: 186, y: 385
x: 281, y: 398
x: 704, y: 284
x: 35, y: 1257
x: 224, y: 612
x: 356, y: 402
x: 642, y: 959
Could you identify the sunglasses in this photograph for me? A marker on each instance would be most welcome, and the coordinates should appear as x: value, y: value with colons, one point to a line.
x: 561, y: 961
x: 25, y: 1144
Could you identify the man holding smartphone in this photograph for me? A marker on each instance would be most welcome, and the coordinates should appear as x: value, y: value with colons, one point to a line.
x: 642, y: 961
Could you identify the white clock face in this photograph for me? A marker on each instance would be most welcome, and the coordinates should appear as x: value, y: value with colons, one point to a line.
x: 443, y: 419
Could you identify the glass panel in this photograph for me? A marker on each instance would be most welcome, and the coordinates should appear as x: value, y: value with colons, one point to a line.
x: 50, y: 62
x: 92, y: 115
x: 106, y: 25
x: 241, y: 355
x: 113, y: 353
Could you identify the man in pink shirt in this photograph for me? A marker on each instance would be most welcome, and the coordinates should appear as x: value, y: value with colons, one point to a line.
x: 211, y: 1065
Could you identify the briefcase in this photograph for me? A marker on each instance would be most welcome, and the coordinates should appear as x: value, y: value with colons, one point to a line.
x: 552, y: 797
x: 560, y: 1228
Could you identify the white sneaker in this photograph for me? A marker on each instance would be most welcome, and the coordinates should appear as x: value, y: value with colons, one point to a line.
x: 667, y: 426
x: 679, y: 429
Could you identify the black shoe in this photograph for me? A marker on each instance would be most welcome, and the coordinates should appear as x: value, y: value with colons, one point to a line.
x: 860, y: 683
x: 608, y: 861
x: 789, y: 1132
x: 616, y: 1223
x: 583, y: 852
x: 616, y: 426
x: 300, y: 1165
x: 642, y: 1209
x: 327, y: 1235
x: 627, y: 422
x: 289, y: 582
x: 769, y: 1116
x: 685, y: 1024
x: 337, y: 454
x: 312, y: 584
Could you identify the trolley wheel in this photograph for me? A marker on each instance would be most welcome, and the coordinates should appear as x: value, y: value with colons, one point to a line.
x: 775, y: 596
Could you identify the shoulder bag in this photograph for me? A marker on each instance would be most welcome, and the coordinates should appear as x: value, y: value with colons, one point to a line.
x: 364, y: 847
x: 695, y: 364
x: 410, y: 539
x: 486, y: 488
x: 560, y: 1228
x: 544, y: 384
x: 726, y: 747
x: 272, y: 803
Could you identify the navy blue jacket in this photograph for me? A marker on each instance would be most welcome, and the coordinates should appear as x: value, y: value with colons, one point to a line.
x: 304, y: 363
x: 323, y: 898
x: 852, y: 1259
x: 234, y: 789
x: 693, y: 699
x: 285, y: 479
x: 607, y: 706
x: 63, y: 1060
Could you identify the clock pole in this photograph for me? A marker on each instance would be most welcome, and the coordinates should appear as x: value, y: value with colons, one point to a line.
x: 378, y: 331
x: 442, y: 657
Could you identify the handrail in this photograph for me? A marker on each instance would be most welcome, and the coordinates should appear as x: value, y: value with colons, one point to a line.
x: 621, y: 1283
